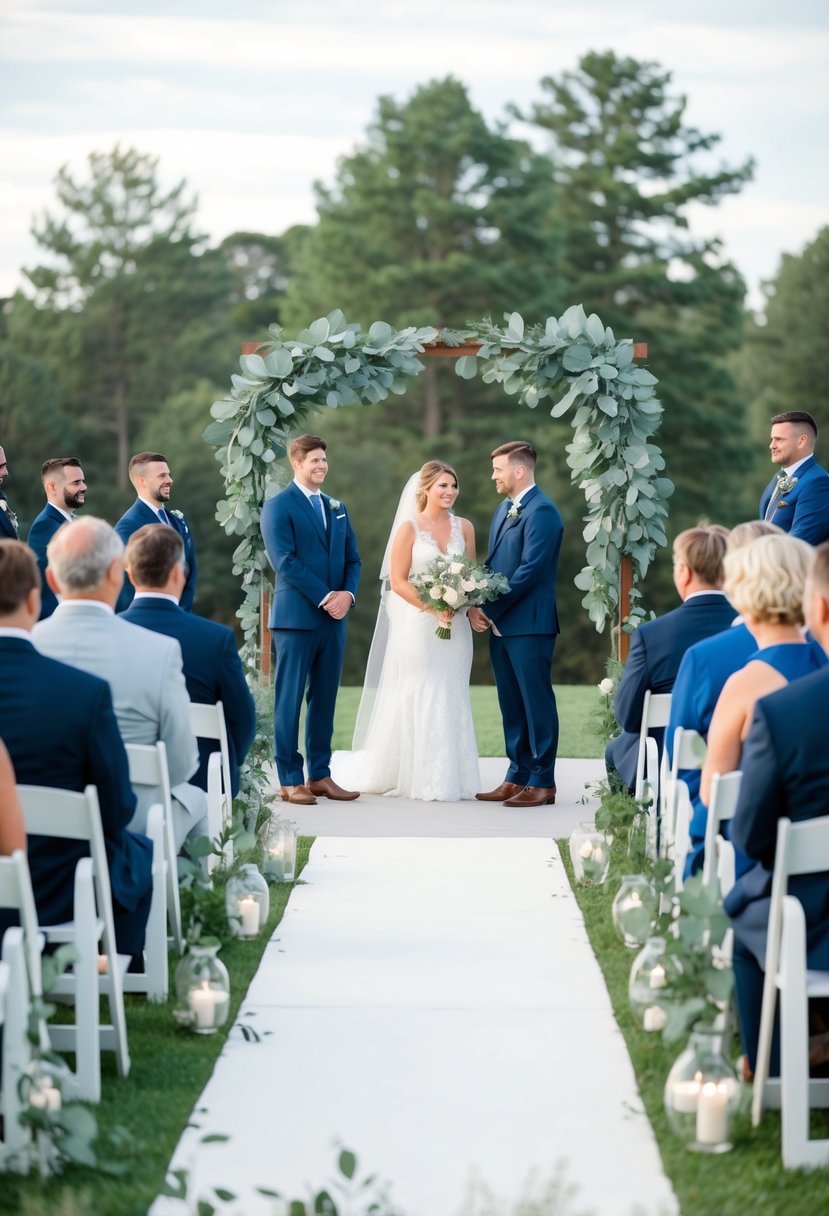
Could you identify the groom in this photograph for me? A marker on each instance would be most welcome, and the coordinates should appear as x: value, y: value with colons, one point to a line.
x: 524, y: 544
x: 311, y: 545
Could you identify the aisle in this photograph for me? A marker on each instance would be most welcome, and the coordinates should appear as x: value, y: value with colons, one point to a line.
x: 434, y: 1005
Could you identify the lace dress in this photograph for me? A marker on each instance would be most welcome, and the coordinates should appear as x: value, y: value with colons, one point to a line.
x: 420, y: 742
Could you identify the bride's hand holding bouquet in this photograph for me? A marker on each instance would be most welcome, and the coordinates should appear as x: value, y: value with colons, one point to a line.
x: 452, y: 582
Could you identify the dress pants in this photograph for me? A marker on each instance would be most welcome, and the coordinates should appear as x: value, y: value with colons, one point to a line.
x: 309, y: 659
x: 523, y: 677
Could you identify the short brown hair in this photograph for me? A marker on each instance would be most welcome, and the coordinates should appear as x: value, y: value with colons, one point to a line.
x: 139, y: 462
x: 702, y: 549
x: 819, y: 569
x: 56, y: 464
x: 151, y: 554
x: 429, y: 474
x: 797, y: 416
x: 303, y: 444
x: 18, y: 575
x: 520, y: 451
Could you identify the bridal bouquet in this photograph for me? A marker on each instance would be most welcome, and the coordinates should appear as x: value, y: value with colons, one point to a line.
x: 450, y: 583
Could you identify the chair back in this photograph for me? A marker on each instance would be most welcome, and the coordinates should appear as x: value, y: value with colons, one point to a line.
x: 208, y: 722
x: 725, y: 794
x: 16, y: 893
x: 656, y: 712
x: 148, y: 767
x: 682, y: 832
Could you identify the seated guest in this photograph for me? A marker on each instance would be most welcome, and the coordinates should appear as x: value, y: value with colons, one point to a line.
x: 65, y: 489
x: 154, y: 560
x: 12, y: 828
x: 143, y: 670
x: 785, y: 764
x: 60, y: 730
x: 657, y: 647
x: 703, y: 671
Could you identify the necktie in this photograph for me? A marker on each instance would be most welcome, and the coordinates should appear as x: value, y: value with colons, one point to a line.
x: 775, y: 494
x: 163, y: 516
x: 316, y: 503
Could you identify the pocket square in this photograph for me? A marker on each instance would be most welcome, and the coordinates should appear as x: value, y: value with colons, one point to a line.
x: 340, y: 516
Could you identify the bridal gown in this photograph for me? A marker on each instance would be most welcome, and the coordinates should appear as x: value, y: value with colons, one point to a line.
x: 420, y: 742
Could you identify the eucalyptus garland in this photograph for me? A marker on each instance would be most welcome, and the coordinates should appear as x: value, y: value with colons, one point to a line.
x: 572, y: 362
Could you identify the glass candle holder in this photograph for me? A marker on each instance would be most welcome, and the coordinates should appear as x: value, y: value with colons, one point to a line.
x: 702, y: 1094
x: 202, y: 990
x: 634, y: 910
x: 589, y: 853
x: 280, y: 850
x: 652, y: 975
x: 247, y: 901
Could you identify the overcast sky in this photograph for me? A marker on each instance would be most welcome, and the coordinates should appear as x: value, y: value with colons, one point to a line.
x: 253, y: 100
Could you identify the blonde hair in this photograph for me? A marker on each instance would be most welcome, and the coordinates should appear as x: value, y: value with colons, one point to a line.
x: 743, y: 534
x: 702, y: 549
x: 766, y: 579
x: 429, y: 474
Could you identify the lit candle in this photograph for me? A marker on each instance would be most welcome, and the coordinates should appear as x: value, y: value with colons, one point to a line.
x: 712, y: 1114
x: 655, y: 1018
x: 249, y: 910
x: 685, y: 1096
x: 598, y: 854
x: 657, y: 979
x: 635, y: 898
x: 203, y: 1004
x: 586, y: 849
x: 221, y: 1000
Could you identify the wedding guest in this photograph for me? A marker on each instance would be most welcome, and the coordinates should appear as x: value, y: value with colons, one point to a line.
x: 797, y: 498
x: 213, y: 671
x: 65, y: 489
x: 153, y: 481
x: 311, y: 545
x: 704, y: 669
x: 60, y: 730
x: 8, y: 519
x: 785, y: 764
x: 657, y: 647
x: 143, y: 669
x: 12, y: 828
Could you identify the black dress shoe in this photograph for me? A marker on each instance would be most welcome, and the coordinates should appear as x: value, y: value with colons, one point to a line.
x: 507, y: 789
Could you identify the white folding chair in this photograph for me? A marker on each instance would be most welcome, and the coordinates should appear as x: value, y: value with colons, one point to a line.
x: 148, y: 767
x: 719, y: 860
x: 688, y: 753
x: 17, y: 1052
x: 68, y: 815
x: 208, y: 722
x: 154, y: 981
x: 656, y: 710
x: 681, y: 841
x: 802, y: 848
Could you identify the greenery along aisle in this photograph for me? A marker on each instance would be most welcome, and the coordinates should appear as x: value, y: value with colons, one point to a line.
x: 573, y: 362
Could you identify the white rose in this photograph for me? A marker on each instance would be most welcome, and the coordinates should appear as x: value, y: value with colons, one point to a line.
x: 469, y: 584
x: 436, y: 593
x: 456, y: 567
x: 450, y: 595
x: 606, y: 686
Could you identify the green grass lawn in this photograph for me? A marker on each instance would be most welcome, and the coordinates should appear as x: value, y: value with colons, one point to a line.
x: 576, y: 704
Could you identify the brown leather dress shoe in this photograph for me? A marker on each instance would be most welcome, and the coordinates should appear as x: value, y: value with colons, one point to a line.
x: 299, y: 795
x: 533, y: 796
x: 507, y: 789
x: 324, y: 787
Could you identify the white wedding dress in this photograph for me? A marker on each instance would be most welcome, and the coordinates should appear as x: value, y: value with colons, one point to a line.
x: 419, y: 740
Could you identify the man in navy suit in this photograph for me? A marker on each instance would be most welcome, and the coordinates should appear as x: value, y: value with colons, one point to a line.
x: 311, y: 545
x: 154, y: 561
x: 524, y: 545
x: 785, y: 765
x: 65, y: 488
x: 150, y: 474
x: 8, y: 519
x: 60, y: 730
x: 657, y: 647
x: 797, y: 498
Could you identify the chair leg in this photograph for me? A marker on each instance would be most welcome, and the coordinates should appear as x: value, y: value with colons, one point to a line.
x: 794, y: 1037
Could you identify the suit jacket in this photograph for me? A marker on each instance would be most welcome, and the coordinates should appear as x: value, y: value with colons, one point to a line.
x: 144, y: 674
x: 656, y: 651
x: 8, y: 529
x: 60, y: 729
x: 310, y: 560
x: 40, y: 533
x: 526, y: 549
x: 212, y: 670
x: 785, y: 774
x: 136, y: 517
x: 804, y: 510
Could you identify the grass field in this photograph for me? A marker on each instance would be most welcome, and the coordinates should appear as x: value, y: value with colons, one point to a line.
x: 576, y: 703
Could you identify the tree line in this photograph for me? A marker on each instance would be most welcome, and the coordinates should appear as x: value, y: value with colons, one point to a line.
x: 132, y: 325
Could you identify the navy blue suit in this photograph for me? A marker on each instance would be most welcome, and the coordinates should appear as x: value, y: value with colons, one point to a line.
x: 40, y: 533
x: 310, y: 561
x: 804, y: 510
x: 212, y: 670
x: 69, y: 747
x: 525, y: 548
x: 7, y: 528
x: 140, y: 514
x: 656, y: 651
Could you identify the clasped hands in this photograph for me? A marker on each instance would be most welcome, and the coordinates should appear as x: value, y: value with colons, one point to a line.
x: 479, y: 622
x: 338, y: 604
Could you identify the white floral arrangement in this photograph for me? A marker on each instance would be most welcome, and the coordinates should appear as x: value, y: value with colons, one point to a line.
x: 450, y: 583
x: 514, y: 511
x: 334, y: 503
x: 606, y: 686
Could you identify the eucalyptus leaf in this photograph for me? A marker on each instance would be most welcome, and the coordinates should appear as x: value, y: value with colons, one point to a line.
x: 254, y: 365
x: 279, y: 362
x: 466, y: 367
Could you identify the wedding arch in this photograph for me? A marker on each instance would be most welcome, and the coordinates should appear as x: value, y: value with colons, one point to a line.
x: 573, y: 362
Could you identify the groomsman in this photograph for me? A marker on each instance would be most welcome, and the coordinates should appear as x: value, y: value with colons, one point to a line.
x: 797, y: 498
x: 311, y: 545
x: 65, y: 488
x: 153, y: 481
x: 8, y: 519
x: 524, y: 545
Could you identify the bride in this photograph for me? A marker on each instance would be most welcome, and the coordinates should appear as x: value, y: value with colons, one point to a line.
x: 414, y: 736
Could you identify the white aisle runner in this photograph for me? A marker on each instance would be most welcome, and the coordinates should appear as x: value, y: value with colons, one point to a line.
x: 436, y: 1007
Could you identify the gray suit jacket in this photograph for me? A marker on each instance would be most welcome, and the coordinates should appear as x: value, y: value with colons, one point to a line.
x: 144, y: 673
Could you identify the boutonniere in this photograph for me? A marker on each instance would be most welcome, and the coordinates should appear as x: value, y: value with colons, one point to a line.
x: 4, y: 506
x: 334, y: 504
x: 514, y: 511
x: 178, y: 514
x: 785, y: 482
